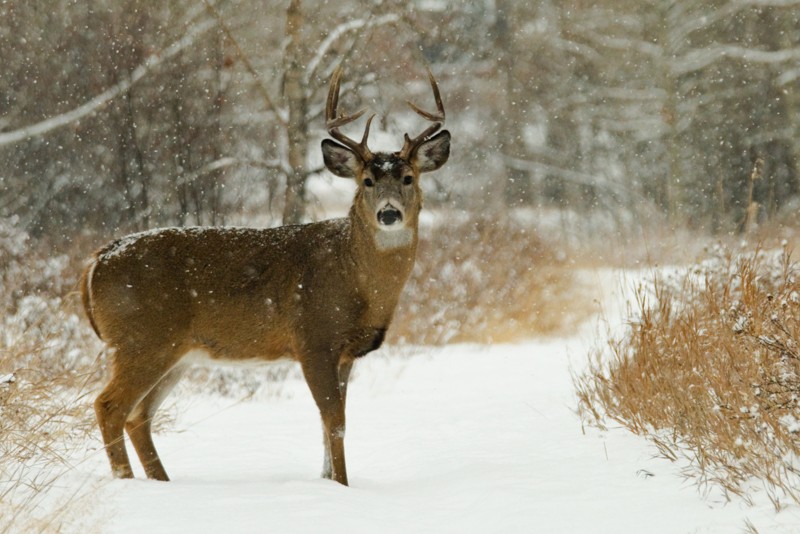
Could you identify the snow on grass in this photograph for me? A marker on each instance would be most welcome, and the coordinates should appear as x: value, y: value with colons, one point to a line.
x: 454, y: 439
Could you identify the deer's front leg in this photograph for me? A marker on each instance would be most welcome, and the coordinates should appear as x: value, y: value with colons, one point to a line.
x: 345, y: 366
x: 322, y: 376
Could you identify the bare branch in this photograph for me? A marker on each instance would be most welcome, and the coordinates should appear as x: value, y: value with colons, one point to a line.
x: 280, y: 115
x: 730, y: 9
x: 153, y: 61
x: 703, y: 57
x: 223, y: 163
x: 340, y: 30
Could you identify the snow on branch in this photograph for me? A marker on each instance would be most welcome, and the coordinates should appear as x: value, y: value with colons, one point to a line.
x: 703, y: 57
x: 693, y: 24
x: 42, y: 127
x: 340, y: 30
x: 223, y: 163
x: 575, y: 47
x: 625, y: 44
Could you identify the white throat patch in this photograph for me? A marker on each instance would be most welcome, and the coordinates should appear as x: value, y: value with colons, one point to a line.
x: 391, y: 239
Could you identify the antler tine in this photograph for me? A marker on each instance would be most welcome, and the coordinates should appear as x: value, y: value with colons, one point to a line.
x: 437, y: 117
x: 341, y: 121
x: 333, y: 95
x: 332, y: 122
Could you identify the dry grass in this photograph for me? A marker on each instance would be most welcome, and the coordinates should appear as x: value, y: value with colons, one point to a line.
x: 44, y: 421
x: 485, y: 280
x: 47, y: 364
x: 710, y: 372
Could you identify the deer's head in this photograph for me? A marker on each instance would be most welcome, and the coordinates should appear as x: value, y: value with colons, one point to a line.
x: 389, y: 197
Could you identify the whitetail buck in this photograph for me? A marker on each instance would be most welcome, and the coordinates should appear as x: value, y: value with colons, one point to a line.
x: 322, y: 294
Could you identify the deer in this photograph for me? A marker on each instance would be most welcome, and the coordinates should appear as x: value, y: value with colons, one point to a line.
x: 322, y: 293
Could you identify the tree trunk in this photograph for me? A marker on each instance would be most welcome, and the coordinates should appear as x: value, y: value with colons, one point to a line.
x: 297, y: 134
x: 517, y: 187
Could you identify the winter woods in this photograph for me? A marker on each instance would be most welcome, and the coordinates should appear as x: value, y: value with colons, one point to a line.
x: 589, y: 123
x: 116, y: 116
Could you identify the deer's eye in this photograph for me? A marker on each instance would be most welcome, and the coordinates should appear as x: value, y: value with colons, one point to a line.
x: 408, y: 179
x: 368, y: 182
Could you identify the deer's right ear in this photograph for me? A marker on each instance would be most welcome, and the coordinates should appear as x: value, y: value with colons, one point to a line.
x: 340, y: 160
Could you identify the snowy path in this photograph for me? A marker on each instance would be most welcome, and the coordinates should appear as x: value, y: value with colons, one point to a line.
x: 460, y: 439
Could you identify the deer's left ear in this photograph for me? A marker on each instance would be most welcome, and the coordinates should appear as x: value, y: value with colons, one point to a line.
x: 433, y: 153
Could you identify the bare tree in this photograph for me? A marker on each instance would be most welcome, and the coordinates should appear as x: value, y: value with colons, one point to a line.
x: 178, y: 113
x: 302, y: 67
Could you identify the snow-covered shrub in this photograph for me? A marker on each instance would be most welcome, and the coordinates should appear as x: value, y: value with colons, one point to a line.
x: 47, y: 356
x: 710, y: 370
x: 40, y: 327
x: 23, y: 272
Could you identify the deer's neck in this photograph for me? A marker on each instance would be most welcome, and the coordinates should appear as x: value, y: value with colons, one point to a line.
x: 384, y: 261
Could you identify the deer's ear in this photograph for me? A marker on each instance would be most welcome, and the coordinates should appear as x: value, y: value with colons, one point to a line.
x: 340, y: 160
x: 433, y: 153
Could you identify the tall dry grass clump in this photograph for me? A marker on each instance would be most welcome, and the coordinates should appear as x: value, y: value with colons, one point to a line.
x: 47, y: 365
x: 710, y: 371
x: 488, y: 279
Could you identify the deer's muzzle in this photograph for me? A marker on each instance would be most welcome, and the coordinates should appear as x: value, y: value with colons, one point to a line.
x: 390, y: 216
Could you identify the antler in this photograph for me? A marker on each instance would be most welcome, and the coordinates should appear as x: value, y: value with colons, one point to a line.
x: 332, y: 122
x: 410, y: 146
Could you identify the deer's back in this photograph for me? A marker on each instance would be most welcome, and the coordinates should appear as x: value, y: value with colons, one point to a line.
x: 235, y: 292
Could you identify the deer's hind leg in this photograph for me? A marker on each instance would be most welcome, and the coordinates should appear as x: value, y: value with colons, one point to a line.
x: 139, y: 422
x: 134, y: 375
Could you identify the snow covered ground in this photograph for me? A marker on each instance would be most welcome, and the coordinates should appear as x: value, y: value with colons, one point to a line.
x: 457, y: 439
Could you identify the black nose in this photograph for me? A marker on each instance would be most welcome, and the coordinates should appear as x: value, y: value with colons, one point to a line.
x: 389, y: 216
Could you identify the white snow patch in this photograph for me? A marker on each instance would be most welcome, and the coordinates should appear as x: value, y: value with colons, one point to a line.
x: 790, y: 423
x: 458, y: 439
